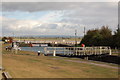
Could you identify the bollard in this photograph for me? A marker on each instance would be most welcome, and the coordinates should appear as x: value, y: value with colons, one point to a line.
x: 54, y: 53
x: 110, y: 53
x: 38, y: 53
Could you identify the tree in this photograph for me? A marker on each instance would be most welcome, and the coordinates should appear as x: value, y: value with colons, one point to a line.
x: 92, y: 38
x: 105, y: 32
x: 98, y: 37
x: 116, y: 38
x: 107, y: 36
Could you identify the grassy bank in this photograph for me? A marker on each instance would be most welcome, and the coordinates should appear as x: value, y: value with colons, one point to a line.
x: 26, y: 64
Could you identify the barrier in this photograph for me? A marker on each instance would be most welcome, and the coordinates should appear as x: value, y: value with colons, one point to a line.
x: 77, y: 50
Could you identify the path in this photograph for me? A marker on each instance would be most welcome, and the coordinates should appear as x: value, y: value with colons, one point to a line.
x: 86, y: 62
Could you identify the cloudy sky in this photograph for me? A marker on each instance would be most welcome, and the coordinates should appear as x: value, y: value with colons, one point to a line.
x: 56, y: 18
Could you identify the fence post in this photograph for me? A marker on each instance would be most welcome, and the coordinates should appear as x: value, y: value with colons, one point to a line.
x: 95, y: 50
x: 100, y: 50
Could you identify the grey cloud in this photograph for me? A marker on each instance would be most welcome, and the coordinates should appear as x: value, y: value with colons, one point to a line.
x: 38, y: 6
x: 98, y: 14
x: 91, y: 14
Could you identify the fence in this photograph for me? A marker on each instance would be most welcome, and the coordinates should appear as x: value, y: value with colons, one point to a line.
x: 77, y: 50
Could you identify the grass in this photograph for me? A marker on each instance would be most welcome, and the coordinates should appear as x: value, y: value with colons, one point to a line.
x: 28, y: 65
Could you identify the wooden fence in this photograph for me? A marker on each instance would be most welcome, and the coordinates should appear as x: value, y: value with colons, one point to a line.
x: 77, y: 50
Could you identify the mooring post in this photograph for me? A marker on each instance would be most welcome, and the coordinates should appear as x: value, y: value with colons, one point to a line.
x: 54, y: 53
x: 110, y: 52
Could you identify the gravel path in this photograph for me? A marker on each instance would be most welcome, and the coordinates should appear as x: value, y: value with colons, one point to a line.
x: 90, y: 62
x: 102, y: 65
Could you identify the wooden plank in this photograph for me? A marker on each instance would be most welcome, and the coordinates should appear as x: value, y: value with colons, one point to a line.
x: 6, y: 75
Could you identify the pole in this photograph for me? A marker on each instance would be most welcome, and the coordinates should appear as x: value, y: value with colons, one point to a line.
x: 75, y: 41
x: 75, y: 38
x: 84, y: 31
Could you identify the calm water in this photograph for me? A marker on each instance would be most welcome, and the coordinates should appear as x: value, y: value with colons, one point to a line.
x: 35, y: 49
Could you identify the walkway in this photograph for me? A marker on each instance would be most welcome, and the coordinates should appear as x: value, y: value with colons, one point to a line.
x: 101, y: 64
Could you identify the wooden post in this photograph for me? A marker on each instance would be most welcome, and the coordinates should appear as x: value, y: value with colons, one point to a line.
x: 84, y: 50
x: 76, y: 51
x: 54, y: 53
x: 45, y: 50
x: 110, y: 52
x: 95, y: 50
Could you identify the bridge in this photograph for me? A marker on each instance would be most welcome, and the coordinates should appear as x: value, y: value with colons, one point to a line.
x: 52, y: 42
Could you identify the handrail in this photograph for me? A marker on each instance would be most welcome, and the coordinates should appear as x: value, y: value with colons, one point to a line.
x: 78, y: 50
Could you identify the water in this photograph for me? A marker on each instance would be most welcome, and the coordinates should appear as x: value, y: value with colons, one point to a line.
x: 34, y: 49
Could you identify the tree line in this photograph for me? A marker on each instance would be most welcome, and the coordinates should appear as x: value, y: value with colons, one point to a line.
x: 102, y: 37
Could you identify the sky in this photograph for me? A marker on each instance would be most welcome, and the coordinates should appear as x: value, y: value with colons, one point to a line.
x: 56, y: 18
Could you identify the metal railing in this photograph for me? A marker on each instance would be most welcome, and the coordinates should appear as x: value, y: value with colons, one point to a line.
x: 77, y: 50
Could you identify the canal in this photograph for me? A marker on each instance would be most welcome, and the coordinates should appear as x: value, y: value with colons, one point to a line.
x: 34, y: 49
